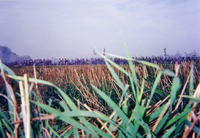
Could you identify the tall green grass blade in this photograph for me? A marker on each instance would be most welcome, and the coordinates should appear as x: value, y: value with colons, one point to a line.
x: 154, y: 88
x: 76, y: 114
x: 74, y: 108
x: 195, y: 128
x: 120, y: 135
x: 112, y: 104
x: 53, y: 131
x: 169, y: 132
x: 100, y: 132
x: 118, y: 111
x: 180, y: 124
x: 139, y: 61
x: 140, y: 110
x: 2, y: 70
x: 8, y: 70
x: 182, y: 115
x: 21, y: 133
x: 5, y: 68
x: 123, y: 71
x: 75, y: 131
x: 19, y: 78
x: 64, y: 105
x: 133, y: 87
x: 11, y: 109
x: 148, y: 64
x: 3, y: 116
x: 169, y: 73
x: 115, y: 76
x: 191, y: 97
x: 93, y: 114
x: 87, y: 135
x: 116, y: 65
x: 174, y: 89
x: 123, y: 94
x: 67, y: 134
x: 64, y: 117
x: 141, y: 92
x: 156, y: 113
x: 143, y: 103
x: 8, y: 127
x: 111, y: 127
x: 161, y: 123
x: 125, y: 134
x: 140, y: 121
x: 125, y: 108
x: 2, y: 130
x: 55, y: 128
x: 132, y: 67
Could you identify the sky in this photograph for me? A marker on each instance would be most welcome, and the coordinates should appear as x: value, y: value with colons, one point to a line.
x: 74, y: 28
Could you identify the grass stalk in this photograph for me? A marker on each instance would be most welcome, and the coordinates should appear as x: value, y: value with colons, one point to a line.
x: 27, y: 105
x: 23, y: 107
x: 161, y: 115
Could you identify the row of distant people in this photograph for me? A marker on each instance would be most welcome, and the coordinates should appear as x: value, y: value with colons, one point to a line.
x: 95, y: 61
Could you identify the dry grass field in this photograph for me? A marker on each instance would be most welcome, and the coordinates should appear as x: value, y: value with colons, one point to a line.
x: 80, y: 83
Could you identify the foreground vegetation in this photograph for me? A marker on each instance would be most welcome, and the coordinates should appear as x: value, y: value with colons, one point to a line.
x: 146, y: 100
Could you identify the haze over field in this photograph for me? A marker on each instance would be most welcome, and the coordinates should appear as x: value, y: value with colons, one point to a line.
x: 73, y: 29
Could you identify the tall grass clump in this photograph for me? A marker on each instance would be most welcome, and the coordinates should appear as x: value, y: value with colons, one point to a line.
x: 138, y: 104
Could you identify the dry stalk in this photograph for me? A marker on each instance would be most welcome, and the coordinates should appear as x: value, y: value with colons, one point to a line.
x: 37, y: 118
x: 23, y: 106
x: 145, y: 73
x: 191, y: 127
x: 156, y: 106
x: 166, y: 80
x: 49, y: 136
x: 8, y: 135
x: 68, y: 128
x: 177, y: 67
x: 197, y: 93
x: 180, y: 97
x: 161, y: 115
x: 36, y: 85
x: 116, y: 89
x: 27, y: 103
x: 169, y: 80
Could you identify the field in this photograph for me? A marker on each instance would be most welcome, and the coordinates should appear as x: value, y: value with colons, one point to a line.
x: 143, y: 100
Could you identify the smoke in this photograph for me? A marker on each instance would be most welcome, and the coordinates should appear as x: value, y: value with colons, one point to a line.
x: 7, y: 56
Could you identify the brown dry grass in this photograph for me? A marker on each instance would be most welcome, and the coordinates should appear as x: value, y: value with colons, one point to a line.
x: 84, y: 75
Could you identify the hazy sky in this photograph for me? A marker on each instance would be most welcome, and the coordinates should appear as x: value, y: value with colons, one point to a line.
x: 74, y: 28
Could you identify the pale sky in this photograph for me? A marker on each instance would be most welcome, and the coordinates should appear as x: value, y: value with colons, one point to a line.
x: 74, y: 28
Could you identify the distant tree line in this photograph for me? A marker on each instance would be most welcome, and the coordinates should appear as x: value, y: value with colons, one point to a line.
x: 13, y: 60
x: 96, y: 61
